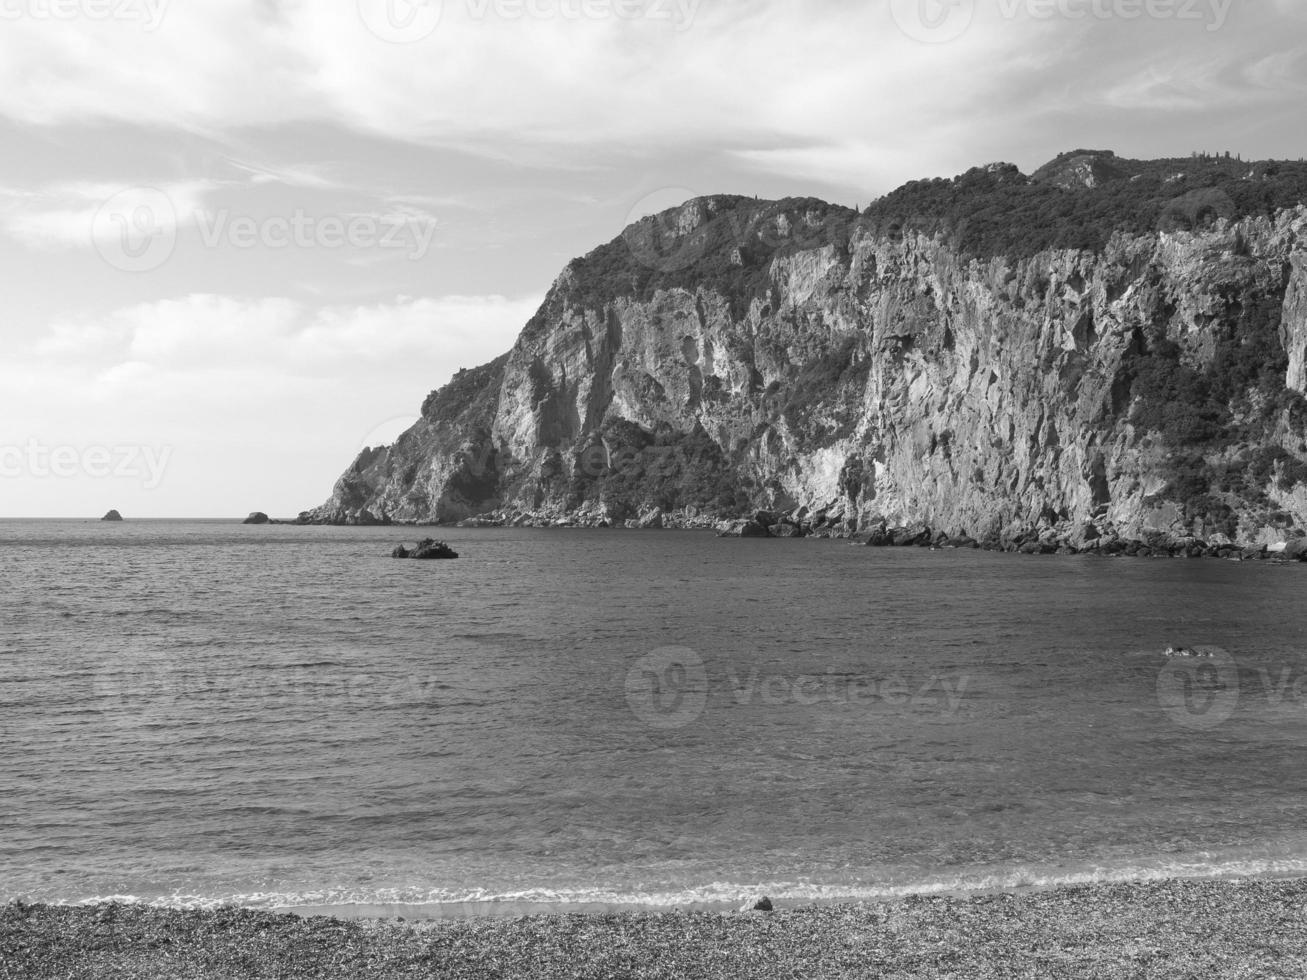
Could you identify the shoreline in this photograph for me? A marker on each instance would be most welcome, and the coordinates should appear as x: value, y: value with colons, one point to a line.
x: 1066, y: 539
x: 1244, y: 927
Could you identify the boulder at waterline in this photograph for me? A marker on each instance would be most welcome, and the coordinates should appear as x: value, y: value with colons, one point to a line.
x: 426, y: 550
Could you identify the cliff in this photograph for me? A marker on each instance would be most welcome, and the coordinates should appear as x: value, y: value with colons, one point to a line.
x: 848, y: 369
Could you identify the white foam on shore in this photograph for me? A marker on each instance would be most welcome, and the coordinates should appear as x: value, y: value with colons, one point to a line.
x: 438, y: 903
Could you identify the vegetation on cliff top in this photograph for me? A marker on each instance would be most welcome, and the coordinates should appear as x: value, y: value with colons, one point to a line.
x: 997, y: 210
x: 1076, y: 201
x: 475, y: 388
x: 730, y: 251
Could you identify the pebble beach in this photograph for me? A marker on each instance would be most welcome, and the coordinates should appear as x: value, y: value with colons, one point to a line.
x: 1197, y: 928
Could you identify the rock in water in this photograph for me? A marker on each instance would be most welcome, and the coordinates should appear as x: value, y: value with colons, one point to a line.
x: 257, y: 517
x: 764, y: 905
x: 426, y: 550
x: 878, y: 537
x: 1296, y: 549
x: 113, y: 515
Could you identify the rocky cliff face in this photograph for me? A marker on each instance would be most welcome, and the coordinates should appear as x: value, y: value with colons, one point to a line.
x: 733, y: 354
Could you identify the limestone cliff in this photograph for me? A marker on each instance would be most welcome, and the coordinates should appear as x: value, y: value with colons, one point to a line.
x: 734, y: 354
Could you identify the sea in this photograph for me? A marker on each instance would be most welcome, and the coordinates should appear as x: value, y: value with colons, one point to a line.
x: 202, y: 713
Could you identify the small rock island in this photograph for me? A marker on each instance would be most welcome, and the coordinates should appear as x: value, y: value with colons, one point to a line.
x: 257, y: 517
x: 426, y: 549
x: 113, y: 515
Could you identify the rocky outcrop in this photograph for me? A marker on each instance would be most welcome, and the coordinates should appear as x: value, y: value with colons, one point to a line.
x: 257, y: 517
x: 426, y: 550
x: 113, y: 515
x: 733, y: 354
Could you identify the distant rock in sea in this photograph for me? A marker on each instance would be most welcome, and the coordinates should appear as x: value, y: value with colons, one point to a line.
x: 113, y: 515
x: 257, y: 517
x: 426, y: 549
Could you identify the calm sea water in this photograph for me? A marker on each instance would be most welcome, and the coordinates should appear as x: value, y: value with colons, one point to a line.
x: 202, y: 712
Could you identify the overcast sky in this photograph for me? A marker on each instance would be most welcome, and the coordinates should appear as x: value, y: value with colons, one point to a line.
x: 241, y: 239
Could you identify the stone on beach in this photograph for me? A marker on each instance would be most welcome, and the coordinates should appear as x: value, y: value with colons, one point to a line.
x: 1231, y: 929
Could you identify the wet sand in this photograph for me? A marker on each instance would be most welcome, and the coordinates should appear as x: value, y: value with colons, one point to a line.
x: 1197, y: 928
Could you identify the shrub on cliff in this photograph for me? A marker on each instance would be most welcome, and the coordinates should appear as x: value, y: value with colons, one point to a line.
x: 997, y: 210
x: 731, y: 252
x: 1219, y: 418
x: 466, y: 390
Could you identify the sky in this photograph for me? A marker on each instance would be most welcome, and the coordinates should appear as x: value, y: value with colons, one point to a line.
x: 242, y: 239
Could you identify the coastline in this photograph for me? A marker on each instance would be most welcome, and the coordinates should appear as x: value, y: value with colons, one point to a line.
x: 1247, y: 927
x: 1100, y: 539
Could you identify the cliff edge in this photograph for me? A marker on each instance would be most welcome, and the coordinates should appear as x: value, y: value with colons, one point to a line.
x: 1109, y: 347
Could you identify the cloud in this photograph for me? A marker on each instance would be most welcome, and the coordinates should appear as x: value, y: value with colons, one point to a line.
x: 750, y: 74
x: 263, y: 400
x: 205, y: 332
x: 818, y: 89
x: 82, y: 214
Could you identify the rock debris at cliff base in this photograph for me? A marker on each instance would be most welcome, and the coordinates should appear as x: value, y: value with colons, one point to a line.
x: 1210, y: 929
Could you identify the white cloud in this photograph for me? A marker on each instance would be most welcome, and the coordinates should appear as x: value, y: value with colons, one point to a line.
x: 758, y: 73
x: 80, y: 214
x: 264, y: 401
x: 817, y: 89
x: 204, y: 332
